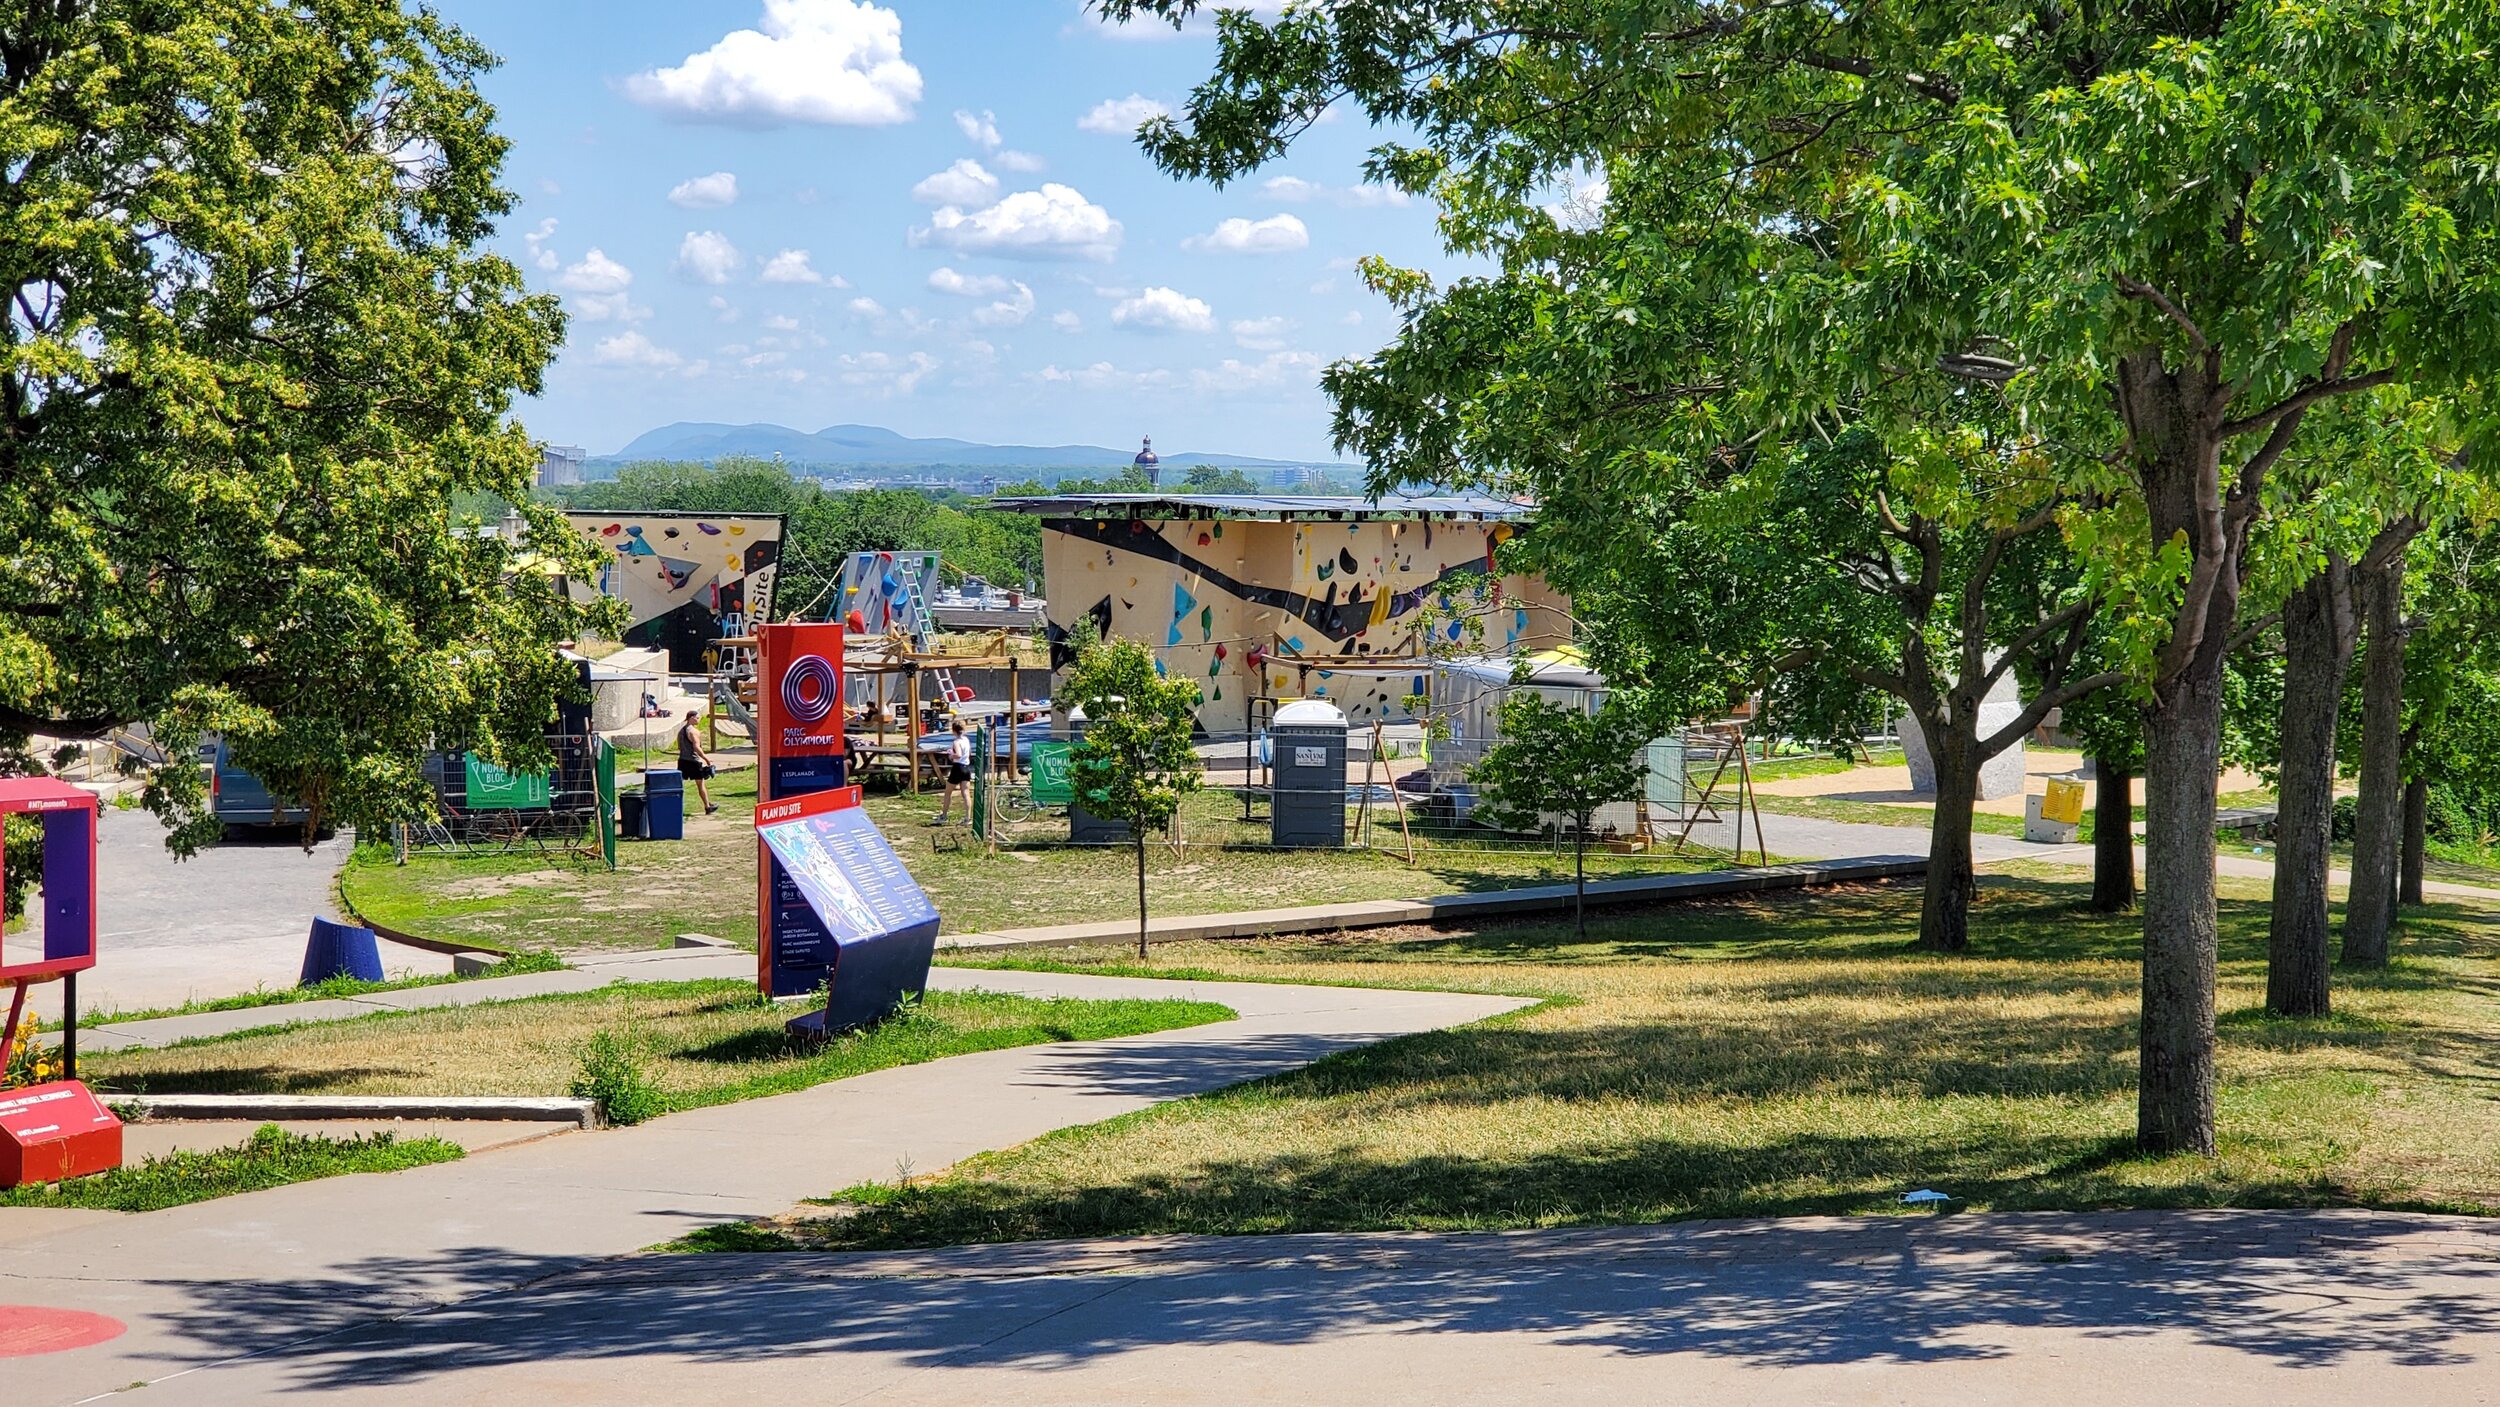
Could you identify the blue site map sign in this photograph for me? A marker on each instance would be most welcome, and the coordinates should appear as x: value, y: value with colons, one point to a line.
x: 841, y: 899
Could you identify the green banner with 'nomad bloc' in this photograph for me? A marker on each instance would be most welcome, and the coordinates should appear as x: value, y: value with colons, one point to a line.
x: 492, y: 788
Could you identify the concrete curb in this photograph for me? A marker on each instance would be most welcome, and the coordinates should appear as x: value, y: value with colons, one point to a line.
x: 581, y: 1113
x: 1387, y: 913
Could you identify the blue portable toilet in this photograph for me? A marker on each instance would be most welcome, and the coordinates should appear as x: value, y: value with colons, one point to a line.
x: 663, y: 804
x: 340, y: 950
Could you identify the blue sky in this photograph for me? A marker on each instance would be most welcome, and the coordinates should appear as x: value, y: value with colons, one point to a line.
x: 928, y: 216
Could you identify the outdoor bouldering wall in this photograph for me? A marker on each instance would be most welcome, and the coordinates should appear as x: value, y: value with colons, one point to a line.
x: 1212, y: 596
x: 686, y: 578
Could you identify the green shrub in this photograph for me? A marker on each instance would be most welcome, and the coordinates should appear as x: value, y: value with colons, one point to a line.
x: 611, y: 1072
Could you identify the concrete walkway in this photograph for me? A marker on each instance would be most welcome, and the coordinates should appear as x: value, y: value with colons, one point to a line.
x: 2222, y: 1309
x: 258, y: 1274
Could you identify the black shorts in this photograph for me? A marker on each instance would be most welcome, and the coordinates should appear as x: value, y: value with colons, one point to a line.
x: 958, y: 773
x: 695, y: 771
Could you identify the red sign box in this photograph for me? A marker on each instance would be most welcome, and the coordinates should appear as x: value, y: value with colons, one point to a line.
x: 57, y: 1130
x: 799, y: 708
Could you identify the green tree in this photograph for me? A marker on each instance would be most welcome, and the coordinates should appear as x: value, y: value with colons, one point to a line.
x: 1135, y: 763
x: 1207, y: 478
x: 1557, y: 761
x: 255, y: 351
x: 2160, y: 234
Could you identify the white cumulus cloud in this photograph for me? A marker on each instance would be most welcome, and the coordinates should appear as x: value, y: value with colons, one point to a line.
x: 600, y: 290
x: 1262, y: 334
x: 1277, y: 234
x: 1297, y: 190
x: 946, y: 280
x: 1055, y: 222
x: 1008, y: 311
x: 967, y: 182
x: 979, y: 128
x: 1120, y: 117
x: 1011, y: 159
x: 1067, y: 321
x: 789, y: 266
x: 705, y: 192
x: 837, y: 62
x: 707, y: 256
x: 537, y: 241
x: 883, y: 373
x: 632, y: 349
x: 1164, y: 310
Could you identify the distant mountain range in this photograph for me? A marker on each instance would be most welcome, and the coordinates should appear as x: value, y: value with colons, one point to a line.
x: 873, y: 446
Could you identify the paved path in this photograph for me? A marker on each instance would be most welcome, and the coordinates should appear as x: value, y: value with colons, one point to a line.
x: 208, y: 1284
x: 232, y: 918
x: 2214, y: 1308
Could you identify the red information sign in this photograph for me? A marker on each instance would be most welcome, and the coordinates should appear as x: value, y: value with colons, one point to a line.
x: 799, y: 707
x: 57, y: 1130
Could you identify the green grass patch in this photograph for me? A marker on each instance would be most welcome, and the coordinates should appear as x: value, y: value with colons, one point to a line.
x: 1772, y: 1055
x: 703, y: 884
x: 682, y: 1045
x: 515, y: 965
x: 271, y: 1157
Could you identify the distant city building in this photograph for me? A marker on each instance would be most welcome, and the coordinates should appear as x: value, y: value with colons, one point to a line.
x: 1152, y: 466
x: 559, y: 465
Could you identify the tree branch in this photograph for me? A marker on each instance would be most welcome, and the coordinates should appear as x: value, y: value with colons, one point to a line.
x: 2138, y: 288
x: 2305, y: 397
x: 14, y: 720
x: 2038, y: 709
x: 2247, y: 635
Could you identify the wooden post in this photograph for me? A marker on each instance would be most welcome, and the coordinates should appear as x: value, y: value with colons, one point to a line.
x: 1015, y: 705
x: 1745, y: 797
x: 911, y: 726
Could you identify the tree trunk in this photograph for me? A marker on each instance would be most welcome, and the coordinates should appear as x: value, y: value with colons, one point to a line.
x: 1944, y: 914
x: 1580, y: 880
x: 2317, y: 653
x: 1141, y: 893
x: 2417, y: 826
x: 2183, y: 747
x: 2175, y: 418
x: 2370, y: 905
x: 2113, y: 838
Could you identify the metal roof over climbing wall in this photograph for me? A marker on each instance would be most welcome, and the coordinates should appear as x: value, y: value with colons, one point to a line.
x: 1339, y: 508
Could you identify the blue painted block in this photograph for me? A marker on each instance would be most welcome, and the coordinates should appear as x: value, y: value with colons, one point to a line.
x: 338, y: 950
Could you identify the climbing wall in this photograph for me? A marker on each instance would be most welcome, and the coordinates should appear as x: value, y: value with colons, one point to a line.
x: 1225, y: 602
x: 878, y: 590
x: 685, y: 578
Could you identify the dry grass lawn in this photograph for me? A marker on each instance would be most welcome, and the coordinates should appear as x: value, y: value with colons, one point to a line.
x: 1782, y: 1055
x: 698, y: 1042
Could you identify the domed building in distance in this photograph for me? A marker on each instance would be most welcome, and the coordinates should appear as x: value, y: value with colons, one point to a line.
x: 1152, y: 466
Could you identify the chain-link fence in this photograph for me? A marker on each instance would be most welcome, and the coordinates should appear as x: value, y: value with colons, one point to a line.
x: 1386, y: 788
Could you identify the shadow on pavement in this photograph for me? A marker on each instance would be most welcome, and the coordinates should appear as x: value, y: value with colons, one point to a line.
x: 2287, y: 1289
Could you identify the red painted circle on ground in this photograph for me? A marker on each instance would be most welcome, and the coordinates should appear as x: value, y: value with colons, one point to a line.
x: 29, y: 1329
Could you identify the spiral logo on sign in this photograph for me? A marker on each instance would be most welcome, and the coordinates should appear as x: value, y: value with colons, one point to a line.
x: 804, y: 671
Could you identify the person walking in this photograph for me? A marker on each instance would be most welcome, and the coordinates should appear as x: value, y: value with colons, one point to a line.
x: 691, y: 761
x: 958, y: 774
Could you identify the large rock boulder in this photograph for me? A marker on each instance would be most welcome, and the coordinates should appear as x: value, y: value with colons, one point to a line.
x: 2001, y: 775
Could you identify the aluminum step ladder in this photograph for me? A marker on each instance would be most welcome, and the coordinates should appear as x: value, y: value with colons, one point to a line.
x: 917, y: 624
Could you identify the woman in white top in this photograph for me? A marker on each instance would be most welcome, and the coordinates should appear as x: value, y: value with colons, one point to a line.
x: 958, y: 774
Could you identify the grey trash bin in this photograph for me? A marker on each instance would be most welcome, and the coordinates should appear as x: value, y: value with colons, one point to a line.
x: 1308, y: 738
x: 1084, y: 827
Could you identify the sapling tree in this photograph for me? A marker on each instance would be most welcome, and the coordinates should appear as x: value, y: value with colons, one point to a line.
x: 1135, y: 763
x: 2162, y: 234
x: 1555, y: 761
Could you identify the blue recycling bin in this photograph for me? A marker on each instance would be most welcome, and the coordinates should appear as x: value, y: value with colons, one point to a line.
x: 663, y: 804
x: 340, y: 950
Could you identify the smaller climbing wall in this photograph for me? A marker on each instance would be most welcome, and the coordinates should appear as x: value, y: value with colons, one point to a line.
x: 685, y: 578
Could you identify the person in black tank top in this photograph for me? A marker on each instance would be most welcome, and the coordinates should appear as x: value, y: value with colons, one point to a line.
x: 691, y: 761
